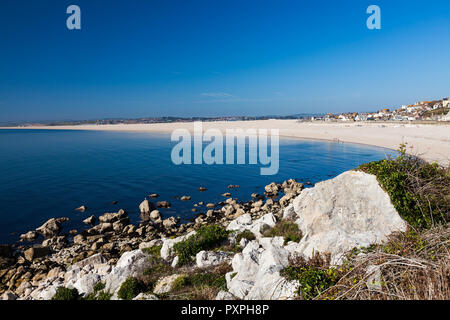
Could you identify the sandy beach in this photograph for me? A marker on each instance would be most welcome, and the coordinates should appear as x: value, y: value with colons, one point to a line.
x: 430, y: 142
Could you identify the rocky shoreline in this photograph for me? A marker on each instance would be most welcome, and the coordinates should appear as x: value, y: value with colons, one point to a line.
x: 334, y: 216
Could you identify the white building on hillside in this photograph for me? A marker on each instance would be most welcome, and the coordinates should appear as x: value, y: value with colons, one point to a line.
x: 445, y: 102
x: 446, y: 118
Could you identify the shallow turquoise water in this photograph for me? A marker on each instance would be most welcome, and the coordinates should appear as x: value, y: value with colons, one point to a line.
x: 47, y: 174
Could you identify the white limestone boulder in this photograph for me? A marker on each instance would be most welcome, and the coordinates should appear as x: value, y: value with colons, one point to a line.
x: 130, y: 264
x: 211, y: 258
x: 349, y: 211
x: 256, y: 271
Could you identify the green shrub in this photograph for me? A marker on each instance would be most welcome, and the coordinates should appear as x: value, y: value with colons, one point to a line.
x: 313, y: 281
x: 207, y: 237
x: 63, y: 293
x: 154, y: 251
x: 420, y: 191
x: 102, y: 295
x: 130, y: 288
x: 99, y: 293
x: 179, y: 283
x: 208, y: 280
x: 246, y: 234
x: 286, y: 229
x: 99, y: 286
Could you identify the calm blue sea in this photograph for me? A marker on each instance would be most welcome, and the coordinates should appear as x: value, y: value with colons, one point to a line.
x: 46, y: 173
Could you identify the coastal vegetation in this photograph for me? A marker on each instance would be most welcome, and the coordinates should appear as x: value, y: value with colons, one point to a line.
x: 286, y: 229
x: 207, y: 237
x: 199, y: 284
x: 63, y: 293
x: 130, y: 288
x: 411, y: 265
x: 420, y: 191
x: 314, y: 276
x: 246, y: 234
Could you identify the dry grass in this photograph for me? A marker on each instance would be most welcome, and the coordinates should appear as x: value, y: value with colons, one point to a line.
x: 410, y: 267
x: 198, y: 283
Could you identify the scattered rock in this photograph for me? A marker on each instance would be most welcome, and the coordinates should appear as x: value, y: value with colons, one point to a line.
x: 211, y: 258
x: 91, y: 220
x: 185, y: 198
x: 29, y: 236
x: 202, y: 189
x: 52, y: 227
x: 163, y: 204
x: 121, y: 215
x: 36, y: 252
x: 81, y: 209
x: 271, y: 189
x: 155, y: 215
x: 153, y: 195
x: 146, y: 206
x: 169, y: 222
x: 78, y: 239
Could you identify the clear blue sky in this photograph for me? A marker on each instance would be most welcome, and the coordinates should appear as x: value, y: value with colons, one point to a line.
x: 139, y: 58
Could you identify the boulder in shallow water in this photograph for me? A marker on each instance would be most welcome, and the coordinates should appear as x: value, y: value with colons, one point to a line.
x: 91, y: 220
x: 146, y: 206
x: 81, y: 209
x: 29, y: 236
x: 163, y: 204
x: 155, y: 215
x: 52, y: 227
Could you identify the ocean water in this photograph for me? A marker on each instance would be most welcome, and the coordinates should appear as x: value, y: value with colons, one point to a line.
x: 47, y: 173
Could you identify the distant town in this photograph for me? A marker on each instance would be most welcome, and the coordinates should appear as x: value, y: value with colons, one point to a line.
x: 436, y: 110
x: 423, y: 111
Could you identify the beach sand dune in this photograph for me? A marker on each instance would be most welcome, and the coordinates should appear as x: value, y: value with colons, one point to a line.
x: 430, y: 142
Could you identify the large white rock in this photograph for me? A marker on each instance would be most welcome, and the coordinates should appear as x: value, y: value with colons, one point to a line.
x: 245, y: 222
x: 349, y: 211
x: 211, y: 258
x: 130, y: 264
x: 256, y: 271
x: 144, y: 206
x: 242, y: 223
x: 85, y: 284
x: 266, y: 220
